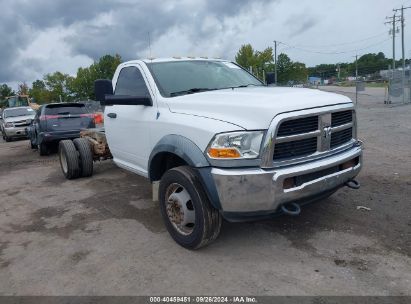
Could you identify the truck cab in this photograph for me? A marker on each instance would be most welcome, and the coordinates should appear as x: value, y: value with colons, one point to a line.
x: 218, y: 143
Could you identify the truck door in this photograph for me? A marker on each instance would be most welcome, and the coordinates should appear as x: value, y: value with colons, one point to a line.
x: 128, y: 126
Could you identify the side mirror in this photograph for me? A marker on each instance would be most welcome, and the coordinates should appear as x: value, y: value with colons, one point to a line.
x: 128, y: 100
x: 270, y: 78
x: 102, y: 87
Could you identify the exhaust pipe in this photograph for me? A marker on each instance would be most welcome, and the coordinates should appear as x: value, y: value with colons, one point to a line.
x: 291, y: 209
x: 353, y: 184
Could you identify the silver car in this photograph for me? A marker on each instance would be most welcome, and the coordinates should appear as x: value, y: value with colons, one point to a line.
x: 15, y: 121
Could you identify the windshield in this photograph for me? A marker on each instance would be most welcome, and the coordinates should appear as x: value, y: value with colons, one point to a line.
x: 18, y: 112
x: 185, y: 77
x: 17, y: 101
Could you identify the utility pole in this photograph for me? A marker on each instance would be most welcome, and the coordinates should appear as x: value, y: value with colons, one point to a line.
x: 403, y: 48
x: 339, y: 70
x: 393, y: 31
x: 356, y: 67
x: 275, y: 61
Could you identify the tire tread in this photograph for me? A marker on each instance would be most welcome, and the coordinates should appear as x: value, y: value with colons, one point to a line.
x: 73, y: 167
x: 86, y: 156
x: 211, y: 217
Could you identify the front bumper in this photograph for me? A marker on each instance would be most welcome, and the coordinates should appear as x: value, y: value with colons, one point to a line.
x: 259, y: 191
x: 16, y: 132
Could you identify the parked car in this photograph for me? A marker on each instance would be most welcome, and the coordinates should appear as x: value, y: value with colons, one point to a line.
x: 57, y: 121
x: 15, y: 121
x: 217, y: 143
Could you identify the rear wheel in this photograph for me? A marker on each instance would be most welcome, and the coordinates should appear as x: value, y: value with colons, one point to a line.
x: 32, y: 145
x: 86, y: 156
x: 43, y: 149
x: 6, y: 138
x: 69, y: 159
x: 189, y: 216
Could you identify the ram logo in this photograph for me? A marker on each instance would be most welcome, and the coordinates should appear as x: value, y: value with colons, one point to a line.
x: 327, y: 132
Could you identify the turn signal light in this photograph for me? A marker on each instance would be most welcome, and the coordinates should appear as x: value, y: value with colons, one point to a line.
x: 224, y: 153
x: 98, y: 118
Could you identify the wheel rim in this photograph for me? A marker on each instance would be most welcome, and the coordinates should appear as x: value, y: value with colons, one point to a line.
x: 63, y: 161
x: 180, y: 209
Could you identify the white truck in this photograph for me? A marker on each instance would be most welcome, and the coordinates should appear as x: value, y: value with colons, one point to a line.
x: 217, y: 143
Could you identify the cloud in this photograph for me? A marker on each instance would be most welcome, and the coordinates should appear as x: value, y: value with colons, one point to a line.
x: 42, y: 36
x: 299, y: 24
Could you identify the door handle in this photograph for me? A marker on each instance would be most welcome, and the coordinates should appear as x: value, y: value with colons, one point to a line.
x: 112, y: 115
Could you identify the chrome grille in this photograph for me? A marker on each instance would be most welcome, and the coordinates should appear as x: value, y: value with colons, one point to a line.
x: 295, y: 148
x: 297, y: 126
x: 318, y: 133
x: 340, y: 137
x: 340, y: 118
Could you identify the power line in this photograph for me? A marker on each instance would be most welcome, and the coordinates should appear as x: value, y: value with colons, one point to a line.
x: 332, y: 52
x: 343, y: 43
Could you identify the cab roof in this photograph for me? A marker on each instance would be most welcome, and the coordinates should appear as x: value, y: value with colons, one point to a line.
x: 176, y: 58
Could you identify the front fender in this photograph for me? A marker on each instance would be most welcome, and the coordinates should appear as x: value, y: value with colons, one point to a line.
x: 182, y: 147
x: 193, y: 156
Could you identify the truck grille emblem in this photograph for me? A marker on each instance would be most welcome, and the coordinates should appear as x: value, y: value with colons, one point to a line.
x: 327, y: 132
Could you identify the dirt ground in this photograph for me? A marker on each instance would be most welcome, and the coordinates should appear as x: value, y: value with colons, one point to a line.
x: 104, y: 236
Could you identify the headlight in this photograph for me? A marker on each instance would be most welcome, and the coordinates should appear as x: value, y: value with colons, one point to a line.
x: 9, y: 125
x: 236, y: 145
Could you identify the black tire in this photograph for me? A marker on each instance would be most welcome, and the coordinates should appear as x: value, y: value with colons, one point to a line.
x: 43, y: 149
x: 69, y: 159
x: 208, y: 220
x: 8, y: 139
x: 33, y: 146
x: 86, y: 156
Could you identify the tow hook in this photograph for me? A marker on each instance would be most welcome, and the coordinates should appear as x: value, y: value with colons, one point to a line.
x: 353, y: 184
x: 291, y: 208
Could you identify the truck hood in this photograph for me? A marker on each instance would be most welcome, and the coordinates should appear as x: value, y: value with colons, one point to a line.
x: 252, y: 108
x: 19, y: 118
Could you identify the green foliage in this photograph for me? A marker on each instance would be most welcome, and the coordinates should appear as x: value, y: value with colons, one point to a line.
x: 82, y: 86
x: 6, y: 91
x: 289, y: 71
x: 248, y: 57
x: 57, y: 85
x: 39, y: 92
x: 368, y: 64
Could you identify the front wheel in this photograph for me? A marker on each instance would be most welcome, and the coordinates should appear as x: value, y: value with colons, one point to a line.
x: 188, y: 214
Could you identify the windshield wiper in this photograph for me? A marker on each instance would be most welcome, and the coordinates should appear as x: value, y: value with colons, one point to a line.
x: 247, y: 85
x: 191, y: 91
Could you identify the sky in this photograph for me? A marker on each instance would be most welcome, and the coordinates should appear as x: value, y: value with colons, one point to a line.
x: 44, y: 36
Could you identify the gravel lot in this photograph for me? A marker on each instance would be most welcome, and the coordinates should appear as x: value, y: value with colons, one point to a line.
x: 104, y: 236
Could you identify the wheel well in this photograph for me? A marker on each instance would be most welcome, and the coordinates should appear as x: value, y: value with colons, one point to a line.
x: 162, y: 162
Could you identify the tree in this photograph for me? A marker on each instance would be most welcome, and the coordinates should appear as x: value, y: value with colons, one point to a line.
x: 288, y: 70
x: 23, y: 89
x: 5, y: 91
x: 58, y: 86
x: 82, y: 86
x: 247, y: 57
x: 39, y: 92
